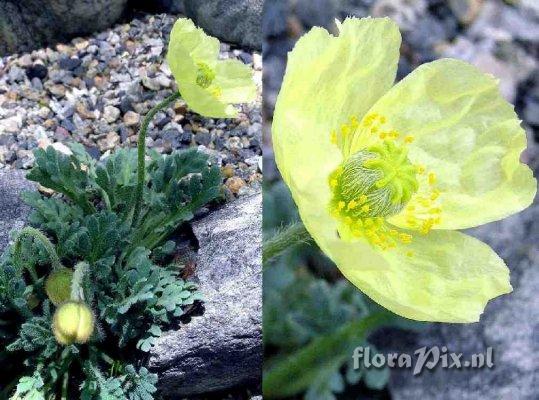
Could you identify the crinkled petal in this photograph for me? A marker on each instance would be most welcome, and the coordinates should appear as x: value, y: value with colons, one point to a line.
x: 445, y: 276
x: 468, y: 135
x: 328, y: 79
x: 193, y: 41
x: 181, y: 64
x: 235, y: 81
x: 203, y: 102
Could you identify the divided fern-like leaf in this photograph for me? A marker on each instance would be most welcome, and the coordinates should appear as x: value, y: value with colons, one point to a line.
x: 63, y: 174
x: 118, y: 178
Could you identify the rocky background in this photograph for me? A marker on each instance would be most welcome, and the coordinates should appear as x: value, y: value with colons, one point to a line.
x: 499, y: 37
x: 89, y: 71
x: 31, y: 24
x: 95, y: 90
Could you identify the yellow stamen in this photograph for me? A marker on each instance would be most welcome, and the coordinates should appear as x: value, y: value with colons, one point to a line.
x: 333, y: 137
x: 432, y: 178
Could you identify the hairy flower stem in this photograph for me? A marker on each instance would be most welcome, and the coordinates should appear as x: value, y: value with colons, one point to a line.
x: 141, y: 147
x: 65, y: 385
x: 289, y: 236
x: 77, y: 283
x: 46, y: 243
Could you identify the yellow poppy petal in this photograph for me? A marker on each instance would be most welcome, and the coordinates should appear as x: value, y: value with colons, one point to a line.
x: 193, y: 40
x: 181, y: 65
x: 328, y: 79
x: 445, y: 276
x: 467, y: 135
x: 235, y: 82
x: 203, y: 102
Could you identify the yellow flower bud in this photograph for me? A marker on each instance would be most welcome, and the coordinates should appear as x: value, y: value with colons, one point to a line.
x: 58, y: 285
x: 73, y: 322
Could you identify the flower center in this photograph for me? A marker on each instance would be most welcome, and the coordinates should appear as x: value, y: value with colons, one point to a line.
x: 205, y: 75
x: 375, y: 182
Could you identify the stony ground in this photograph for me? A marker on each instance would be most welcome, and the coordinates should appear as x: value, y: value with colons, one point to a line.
x: 96, y: 91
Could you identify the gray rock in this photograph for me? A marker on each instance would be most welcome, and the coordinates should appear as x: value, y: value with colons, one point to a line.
x: 222, y: 348
x: 14, y: 211
x: 33, y: 23
x: 510, y: 325
x: 236, y: 21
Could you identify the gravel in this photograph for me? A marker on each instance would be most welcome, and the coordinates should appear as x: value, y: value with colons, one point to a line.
x: 96, y: 91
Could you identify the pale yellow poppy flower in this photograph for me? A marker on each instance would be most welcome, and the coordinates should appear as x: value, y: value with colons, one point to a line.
x: 209, y: 86
x: 383, y: 175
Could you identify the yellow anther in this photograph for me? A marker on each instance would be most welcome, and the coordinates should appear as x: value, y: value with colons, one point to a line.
x: 354, y: 122
x: 434, y: 195
x: 432, y: 178
x: 382, y: 119
x: 363, y: 198
x: 435, y: 210
x: 365, y: 208
x: 352, y: 204
x: 333, y: 183
x: 405, y: 238
x: 382, y: 135
x: 408, y: 139
x: 420, y: 169
x: 369, y: 222
x: 341, y: 205
x: 348, y: 220
x: 345, y: 129
x: 333, y: 137
x: 393, y: 232
x: 374, y: 129
x: 216, y: 92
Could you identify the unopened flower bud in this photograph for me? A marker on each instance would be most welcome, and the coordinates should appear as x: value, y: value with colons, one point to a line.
x: 73, y: 322
x: 58, y: 285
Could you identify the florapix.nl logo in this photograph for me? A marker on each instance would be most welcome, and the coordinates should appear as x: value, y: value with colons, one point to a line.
x: 422, y: 358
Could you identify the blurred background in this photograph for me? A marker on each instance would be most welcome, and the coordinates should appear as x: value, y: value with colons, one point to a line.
x: 305, y: 296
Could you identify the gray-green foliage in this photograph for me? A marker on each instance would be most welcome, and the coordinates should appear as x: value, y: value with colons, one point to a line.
x: 313, y: 318
x: 132, y: 283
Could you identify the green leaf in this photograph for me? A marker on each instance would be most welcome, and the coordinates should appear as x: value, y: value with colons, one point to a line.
x: 118, y: 178
x: 85, y: 159
x: 149, y: 340
x: 139, y: 385
x: 180, y: 184
x: 36, y: 335
x: 30, y: 388
x: 98, y: 386
x: 144, y: 289
x: 63, y: 174
x: 106, y: 234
